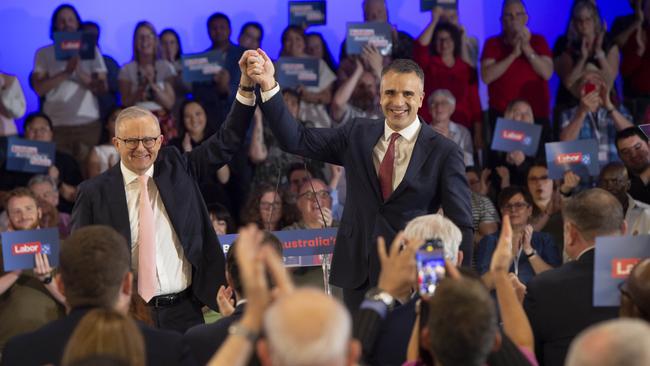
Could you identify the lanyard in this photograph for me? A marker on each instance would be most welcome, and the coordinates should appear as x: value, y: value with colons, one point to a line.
x: 516, y: 263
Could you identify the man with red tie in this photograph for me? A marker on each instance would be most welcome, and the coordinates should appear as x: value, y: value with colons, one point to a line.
x: 152, y: 199
x: 396, y: 169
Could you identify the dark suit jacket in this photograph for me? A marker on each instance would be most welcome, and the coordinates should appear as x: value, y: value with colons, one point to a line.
x: 435, y: 178
x: 205, y: 339
x: 46, y: 345
x: 559, y: 306
x: 102, y: 200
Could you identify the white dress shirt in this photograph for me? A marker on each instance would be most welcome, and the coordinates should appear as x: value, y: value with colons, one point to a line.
x: 637, y: 217
x: 173, y: 270
x: 403, y: 149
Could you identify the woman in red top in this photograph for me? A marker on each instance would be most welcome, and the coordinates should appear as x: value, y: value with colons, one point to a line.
x: 444, y: 68
x: 635, y: 66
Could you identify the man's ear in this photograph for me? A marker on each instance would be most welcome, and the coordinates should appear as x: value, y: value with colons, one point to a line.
x: 425, y: 338
x: 624, y: 228
x: 127, y: 284
x: 354, y: 352
x: 459, y: 258
x: 263, y: 352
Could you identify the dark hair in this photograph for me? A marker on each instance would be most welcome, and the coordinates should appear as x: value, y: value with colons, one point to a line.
x: 404, y: 66
x: 33, y: 116
x: 231, y: 262
x: 453, y: 31
x: 293, y: 167
x: 178, y: 40
x: 594, y: 212
x: 285, y: 34
x: 216, y: 16
x: 327, y: 54
x: 291, y: 92
x: 507, y: 193
x: 629, y: 132
x: 462, y: 323
x: 251, y: 211
x: 93, y: 262
x: 254, y: 25
x: 89, y: 23
x: 55, y: 14
x: 514, y: 102
x: 221, y: 212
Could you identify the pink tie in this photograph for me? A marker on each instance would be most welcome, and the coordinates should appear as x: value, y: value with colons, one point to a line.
x: 147, y: 282
x: 386, y: 168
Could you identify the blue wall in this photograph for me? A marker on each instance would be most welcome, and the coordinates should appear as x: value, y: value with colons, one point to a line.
x: 25, y: 24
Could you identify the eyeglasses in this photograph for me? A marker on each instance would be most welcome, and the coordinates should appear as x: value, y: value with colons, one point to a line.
x: 147, y: 142
x: 311, y: 196
x: 268, y: 205
x: 515, y: 206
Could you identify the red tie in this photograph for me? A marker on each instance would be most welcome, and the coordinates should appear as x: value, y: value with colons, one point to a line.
x: 386, y: 168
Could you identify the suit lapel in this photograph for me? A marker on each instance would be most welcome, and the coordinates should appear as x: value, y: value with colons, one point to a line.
x: 116, y: 197
x: 374, y: 133
x: 421, y: 151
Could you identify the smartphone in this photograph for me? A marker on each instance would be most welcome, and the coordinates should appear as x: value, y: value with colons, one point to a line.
x: 588, y: 88
x: 431, y: 266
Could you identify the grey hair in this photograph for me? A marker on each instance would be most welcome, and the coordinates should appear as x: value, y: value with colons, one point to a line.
x: 615, y: 342
x: 134, y: 113
x: 41, y: 178
x: 436, y: 226
x: 329, y: 340
x: 595, y: 212
x: 442, y: 93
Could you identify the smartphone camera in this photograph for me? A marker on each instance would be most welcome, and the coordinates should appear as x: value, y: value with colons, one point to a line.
x: 431, y: 266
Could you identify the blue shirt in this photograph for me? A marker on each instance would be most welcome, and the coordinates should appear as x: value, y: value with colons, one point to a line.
x: 541, y: 242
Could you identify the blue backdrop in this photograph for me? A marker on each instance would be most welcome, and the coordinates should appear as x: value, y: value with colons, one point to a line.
x: 24, y: 25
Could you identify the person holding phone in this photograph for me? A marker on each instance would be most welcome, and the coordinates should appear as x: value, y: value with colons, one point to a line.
x: 596, y: 117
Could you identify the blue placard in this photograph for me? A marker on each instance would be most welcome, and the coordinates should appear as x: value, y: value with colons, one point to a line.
x: 294, y: 71
x: 300, y: 248
x: 426, y: 5
x: 70, y: 44
x: 512, y: 135
x: 645, y: 129
x: 199, y: 67
x: 378, y: 34
x: 579, y: 156
x: 19, y: 247
x: 306, y: 13
x: 615, y: 258
x: 29, y: 156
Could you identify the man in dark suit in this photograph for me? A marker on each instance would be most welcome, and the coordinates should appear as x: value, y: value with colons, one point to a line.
x: 205, y: 339
x: 396, y: 169
x: 93, y: 272
x: 174, y: 248
x: 559, y: 302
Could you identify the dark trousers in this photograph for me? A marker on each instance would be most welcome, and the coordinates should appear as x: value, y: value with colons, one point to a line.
x: 180, y: 316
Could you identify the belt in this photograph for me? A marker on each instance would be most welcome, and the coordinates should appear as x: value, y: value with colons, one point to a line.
x: 169, y: 300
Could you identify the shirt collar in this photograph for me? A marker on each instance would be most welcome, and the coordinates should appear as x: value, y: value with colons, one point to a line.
x: 409, y: 133
x: 585, y: 251
x: 129, y: 176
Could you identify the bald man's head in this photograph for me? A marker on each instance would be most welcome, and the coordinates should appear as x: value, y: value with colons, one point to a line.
x: 308, y: 328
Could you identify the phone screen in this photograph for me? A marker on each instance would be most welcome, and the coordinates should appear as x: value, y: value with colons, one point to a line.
x: 431, y: 266
x: 588, y: 88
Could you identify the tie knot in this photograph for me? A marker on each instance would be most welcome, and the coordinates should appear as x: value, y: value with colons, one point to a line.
x: 394, y: 137
x: 143, y: 179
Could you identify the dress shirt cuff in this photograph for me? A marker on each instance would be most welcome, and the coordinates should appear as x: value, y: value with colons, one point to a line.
x: 246, y: 100
x: 266, y: 95
x: 377, y: 306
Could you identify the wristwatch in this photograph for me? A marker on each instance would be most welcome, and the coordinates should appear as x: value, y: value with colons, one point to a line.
x: 534, y: 252
x: 249, y: 89
x: 47, y: 280
x: 238, y: 329
x: 377, y: 294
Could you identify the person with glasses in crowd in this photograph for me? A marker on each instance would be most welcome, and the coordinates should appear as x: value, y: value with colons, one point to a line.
x: 268, y: 208
x: 534, y: 252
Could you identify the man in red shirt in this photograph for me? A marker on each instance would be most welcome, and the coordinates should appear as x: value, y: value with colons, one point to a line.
x: 517, y: 64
